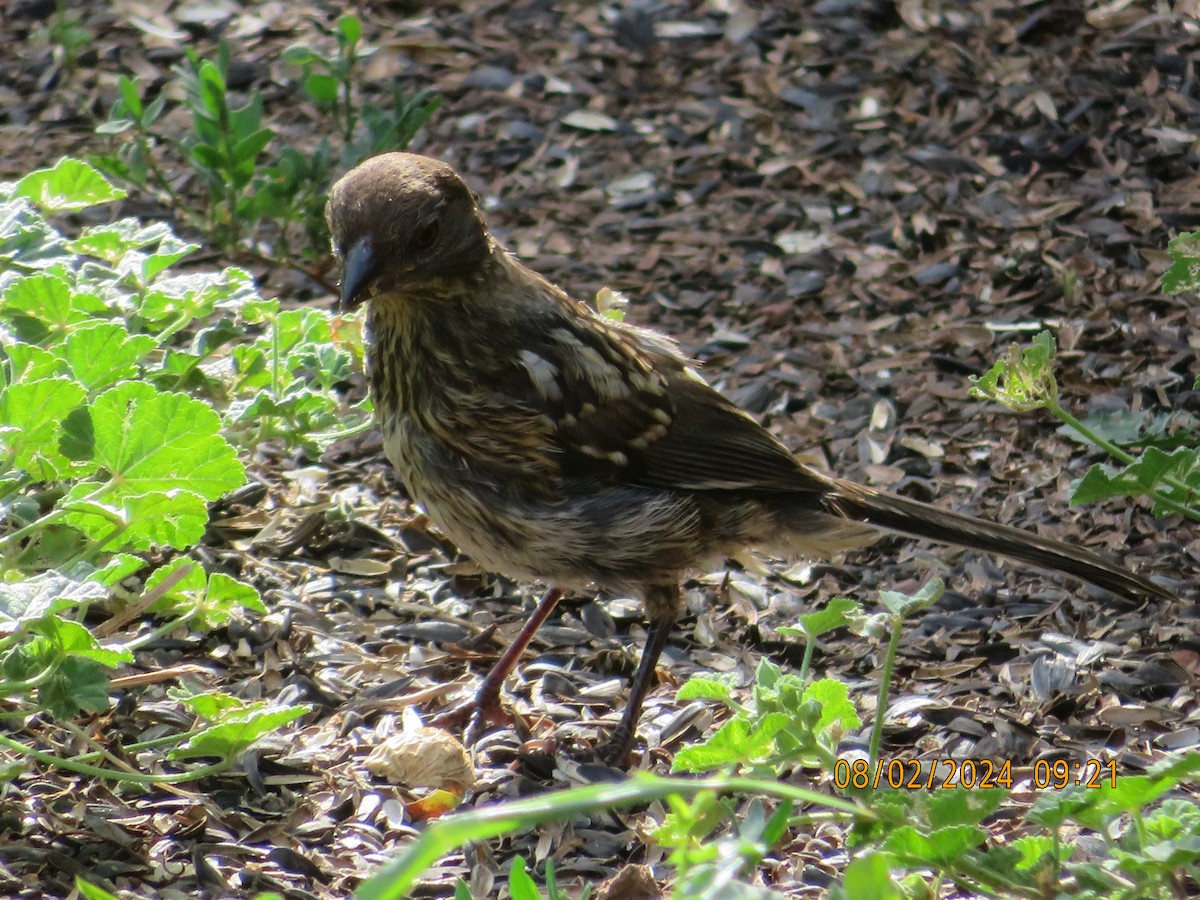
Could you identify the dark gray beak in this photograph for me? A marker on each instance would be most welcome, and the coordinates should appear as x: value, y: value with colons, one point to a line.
x: 358, y: 271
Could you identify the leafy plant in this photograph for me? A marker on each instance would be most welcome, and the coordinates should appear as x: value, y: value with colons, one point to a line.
x: 289, y: 376
x: 904, y: 838
x: 224, y: 145
x: 122, y: 409
x: 66, y: 32
x: 397, y: 877
x: 1158, y: 453
x: 257, y: 191
x: 1166, y: 469
x: 332, y: 85
x: 1184, y: 272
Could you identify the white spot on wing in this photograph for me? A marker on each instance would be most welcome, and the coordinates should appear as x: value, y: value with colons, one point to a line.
x: 543, y: 374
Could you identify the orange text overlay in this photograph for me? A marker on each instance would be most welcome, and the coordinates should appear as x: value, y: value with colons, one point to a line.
x: 914, y: 774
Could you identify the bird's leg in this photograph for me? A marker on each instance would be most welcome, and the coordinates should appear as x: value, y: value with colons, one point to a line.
x: 484, y: 707
x: 622, y: 737
x: 662, y: 607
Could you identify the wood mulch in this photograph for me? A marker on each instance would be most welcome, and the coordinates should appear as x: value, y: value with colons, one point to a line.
x: 843, y: 212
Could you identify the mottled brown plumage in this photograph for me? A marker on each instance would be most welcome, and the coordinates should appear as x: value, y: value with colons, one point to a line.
x: 553, y: 444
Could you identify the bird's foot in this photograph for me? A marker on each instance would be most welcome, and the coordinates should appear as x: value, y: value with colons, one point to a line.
x: 615, y: 750
x: 477, y: 713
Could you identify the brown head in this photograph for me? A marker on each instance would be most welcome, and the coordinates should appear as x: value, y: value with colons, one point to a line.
x: 401, y: 222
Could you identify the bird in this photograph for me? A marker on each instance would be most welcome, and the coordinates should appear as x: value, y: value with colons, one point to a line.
x: 556, y: 445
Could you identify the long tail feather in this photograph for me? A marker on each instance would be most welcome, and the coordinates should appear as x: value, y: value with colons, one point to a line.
x: 911, y: 517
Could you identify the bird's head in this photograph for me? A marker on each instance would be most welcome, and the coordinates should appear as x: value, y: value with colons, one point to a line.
x: 402, y: 222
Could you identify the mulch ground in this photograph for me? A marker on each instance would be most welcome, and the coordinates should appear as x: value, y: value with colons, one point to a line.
x: 842, y: 212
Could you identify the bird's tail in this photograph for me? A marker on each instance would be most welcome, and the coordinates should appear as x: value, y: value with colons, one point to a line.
x: 892, y: 512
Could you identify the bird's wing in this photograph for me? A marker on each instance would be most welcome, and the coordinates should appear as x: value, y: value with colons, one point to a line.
x: 713, y: 445
x: 623, y: 402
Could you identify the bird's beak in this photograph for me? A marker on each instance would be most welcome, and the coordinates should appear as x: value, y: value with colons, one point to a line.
x: 358, y: 271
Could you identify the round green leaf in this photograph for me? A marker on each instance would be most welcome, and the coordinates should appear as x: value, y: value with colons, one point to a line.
x: 72, y: 184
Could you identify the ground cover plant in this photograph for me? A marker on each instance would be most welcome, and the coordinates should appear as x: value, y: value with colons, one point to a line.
x: 219, y: 606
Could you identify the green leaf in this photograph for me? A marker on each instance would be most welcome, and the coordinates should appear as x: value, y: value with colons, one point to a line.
x: 1102, y: 482
x: 868, y: 877
x: 91, y: 891
x: 1173, y: 818
x: 164, y: 457
x: 69, y: 638
x: 162, y: 441
x: 26, y: 237
x: 350, y: 29
x: 766, y: 674
x: 1132, y: 793
x: 122, y: 244
x: 941, y: 847
x: 1145, y: 476
x: 209, y: 602
x: 78, y: 441
x: 1163, y: 856
x: 226, y: 593
x: 33, y: 598
x: 246, y: 120
x: 70, y: 185
x: 29, y: 363
x: 211, y: 91
x: 109, y: 242
x: 1124, y: 427
x: 36, y: 412
x: 49, y: 300
x: 520, y: 885
x: 129, y: 93
x: 196, y: 295
x: 228, y: 739
x: 154, y: 110
x: 737, y: 742
x: 1053, y: 808
x: 407, y: 117
x: 76, y: 684
x: 299, y: 55
x: 116, y: 124
x: 321, y: 87
x: 246, y: 151
x: 1184, y: 273
x: 775, y: 827
x: 1034, y: 849
x: 834, y: 615
x: 963, y: 806
x: 710, y: 687
x: 208, y: 157
x: 56, y: 546
x: 213, y: 706
x: 259, y: 310
x: 1024, y: 379
x: 119, y: 567
x: 836, y: 707
x: 102, y: 354
x: 904, y: 605
x: 324, y: 363
x: 153, y: 519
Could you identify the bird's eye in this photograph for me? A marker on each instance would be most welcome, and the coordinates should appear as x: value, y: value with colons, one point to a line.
x: 426, y: 237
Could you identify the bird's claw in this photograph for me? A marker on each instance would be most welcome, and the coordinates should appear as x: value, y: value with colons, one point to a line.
x: 614, y: 751
x: 477, y: 713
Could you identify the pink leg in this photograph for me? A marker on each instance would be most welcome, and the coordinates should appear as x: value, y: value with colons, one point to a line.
x: 484, y: 707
